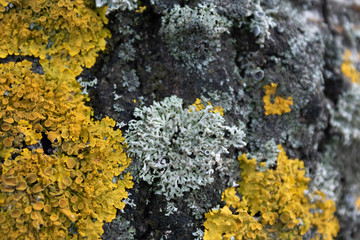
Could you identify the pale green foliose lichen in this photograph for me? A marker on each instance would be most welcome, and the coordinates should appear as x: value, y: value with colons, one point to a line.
x: 193, y: 35
x: 179, y: 149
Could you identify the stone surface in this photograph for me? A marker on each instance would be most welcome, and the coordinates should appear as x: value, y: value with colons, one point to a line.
x: 297, y: 44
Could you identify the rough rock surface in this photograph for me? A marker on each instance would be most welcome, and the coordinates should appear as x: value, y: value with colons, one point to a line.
x: 297, y: 44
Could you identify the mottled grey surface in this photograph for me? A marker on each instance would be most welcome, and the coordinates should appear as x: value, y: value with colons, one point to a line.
x: 228, y: 60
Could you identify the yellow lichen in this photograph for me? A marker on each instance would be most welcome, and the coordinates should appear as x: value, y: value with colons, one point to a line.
x: 50, y: 182
x: 64, y: 35
x: 358, y: 203
x: 273, y: 205
x: 141, y: 9
x: 71, y: 181
x: 348, y: 68
x: 199, y: 106
x: 279, y: 105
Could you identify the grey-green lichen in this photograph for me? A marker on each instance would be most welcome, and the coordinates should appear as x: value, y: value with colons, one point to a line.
x: 193, y: 34
x: 179, y: 149
x: 130, y: 80
x: 117, y: 4
x: 122, y: 229
x: 85, y: 84
x: 326, y: 179
x: 268, y: 154
x: 346, y: 117
x: 261, y: 22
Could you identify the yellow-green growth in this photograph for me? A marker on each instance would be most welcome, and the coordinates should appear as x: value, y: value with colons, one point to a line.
x: 348, y: 68
x: 75, y: 180
x: 280, y: 105
x: 273, y: 205
x: 64, y: 35
x: 200, y: 106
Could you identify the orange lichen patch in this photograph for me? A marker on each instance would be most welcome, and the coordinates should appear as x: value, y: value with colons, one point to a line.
x: 62, y: 203
x: 348, y: 68
x: 65, y: 38
x: 73, y: 217
x: 7, y: 142
x: 141, y: 9
x: 37, y: 188
x: 54, y: 217
x: 199, y: 106
x: 48, y: 171
x: 31, y: 178
x: 38, y: 205
x: 280, y: 104
x: 10, y: 181
x: 15, y: 213
x: 5, y: 127
x: 70, y: 163
x: 47, y: 208
x: 277, y: 199
x: 78, y: 180
x: 66, y: 180
x: 28, y: 210
x: 7, y: 189
x: 54, y: 136
x: 74, y: 199
x: 21, y: 186
x: 9, y: 120
x: 358, y: 203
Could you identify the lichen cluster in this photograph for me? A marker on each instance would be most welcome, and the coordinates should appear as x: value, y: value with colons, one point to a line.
x: 348, y: 68
x: 180, y: 149
x: 113, y: 5
x: 61, y: 172
x: 58, y: 165
x: 278, y: 105
x: 193, y: 34
x: 346, y: 117
x: 273, y: 205
x: 65, y: 35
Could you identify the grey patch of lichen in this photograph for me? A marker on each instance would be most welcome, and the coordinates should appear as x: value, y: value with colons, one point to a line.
x: 119, y: 229
x: 344, y: 158
x: 326, y: 179
x: 342, y: 152
x: 346, y: 117
x: 179, y: 151
x: 268, y: 154
x: 193, y: 34
x: 126, y: 55
x: 113, y: 5
x: 130, y: 80
x: 85, y: 84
